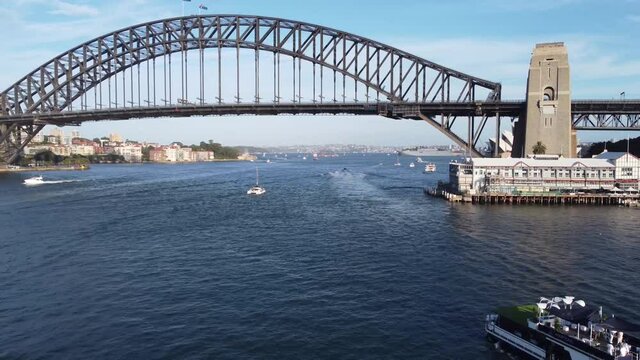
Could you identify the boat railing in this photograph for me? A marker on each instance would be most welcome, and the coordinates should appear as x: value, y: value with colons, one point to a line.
x: 575, y: 343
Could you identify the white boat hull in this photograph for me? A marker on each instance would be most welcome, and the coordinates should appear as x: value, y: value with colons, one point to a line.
x: 256, y: 191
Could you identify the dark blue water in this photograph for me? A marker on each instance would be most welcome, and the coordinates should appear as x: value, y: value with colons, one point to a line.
x: 175, y: 261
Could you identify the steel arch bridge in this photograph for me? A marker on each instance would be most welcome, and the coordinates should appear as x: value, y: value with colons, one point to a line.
x: 116, y: 76
x: 295, y: 68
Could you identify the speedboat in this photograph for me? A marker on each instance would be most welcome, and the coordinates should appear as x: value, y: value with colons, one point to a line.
x: 430, y: 167
x: 256, y: 189
x: 562, y: 328
x: 36, y: 180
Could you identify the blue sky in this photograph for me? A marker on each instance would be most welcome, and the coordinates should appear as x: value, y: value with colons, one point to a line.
x: 491, y: 39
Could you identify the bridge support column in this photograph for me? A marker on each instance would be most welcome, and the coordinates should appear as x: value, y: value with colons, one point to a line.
x: 14, y: 138
x: 5, y: 131
x: 548, y: 118
x: 496, y: 148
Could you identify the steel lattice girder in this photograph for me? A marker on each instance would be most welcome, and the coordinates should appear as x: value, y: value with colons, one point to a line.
x: 606, y: 121
x: 395, y: 74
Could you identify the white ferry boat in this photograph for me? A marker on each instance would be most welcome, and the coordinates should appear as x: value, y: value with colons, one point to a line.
x: 36, y: 180
x: 564, y: 329
x: 429, y: 168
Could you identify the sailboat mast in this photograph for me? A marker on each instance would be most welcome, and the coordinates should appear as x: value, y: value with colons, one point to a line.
x: 257, y: 176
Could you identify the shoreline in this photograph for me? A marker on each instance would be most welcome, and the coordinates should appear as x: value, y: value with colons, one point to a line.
x: 6, y: 169
x: 43, y: 168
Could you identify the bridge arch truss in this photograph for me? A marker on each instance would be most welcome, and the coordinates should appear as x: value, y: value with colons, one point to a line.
x: 328, y: 71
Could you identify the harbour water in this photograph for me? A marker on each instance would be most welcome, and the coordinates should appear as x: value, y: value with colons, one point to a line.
x: 341, y: 258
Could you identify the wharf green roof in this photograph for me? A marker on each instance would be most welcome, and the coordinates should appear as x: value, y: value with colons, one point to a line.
x: 520, y: 313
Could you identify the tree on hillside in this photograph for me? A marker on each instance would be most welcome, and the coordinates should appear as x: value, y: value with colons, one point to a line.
x: 539, y: 148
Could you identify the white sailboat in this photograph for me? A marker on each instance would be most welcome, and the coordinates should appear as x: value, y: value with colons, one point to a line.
x: 397, y: 161
x: 256, y: 189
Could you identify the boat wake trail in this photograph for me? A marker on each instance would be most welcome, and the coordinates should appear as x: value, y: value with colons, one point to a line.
x: 49, y: 182
x: 345, y: 174
x: 59, y: 181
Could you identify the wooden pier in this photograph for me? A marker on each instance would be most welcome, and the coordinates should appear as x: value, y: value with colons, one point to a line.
x: 632, y: 200
x: 555, y: 199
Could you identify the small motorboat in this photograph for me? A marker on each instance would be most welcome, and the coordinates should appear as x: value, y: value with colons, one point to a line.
x: 36, y: 180
x: 412, y: 165
x: 430, y: 167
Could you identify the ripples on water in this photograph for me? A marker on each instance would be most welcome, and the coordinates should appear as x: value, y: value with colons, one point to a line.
x: 161, y: 261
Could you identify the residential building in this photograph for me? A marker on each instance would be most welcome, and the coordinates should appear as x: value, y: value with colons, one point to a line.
x: 54, y: 148
x: 38, y: 138
x: 84, y: 150
x: 202, y: 156
x: 57, y: 133
x: 183, y: 154
x: 130, y: 152
x: 115, y: 138
x: 51, y: 139
x: 157, y: 155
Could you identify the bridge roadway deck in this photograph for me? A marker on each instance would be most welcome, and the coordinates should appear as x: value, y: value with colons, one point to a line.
x: 404, y: 110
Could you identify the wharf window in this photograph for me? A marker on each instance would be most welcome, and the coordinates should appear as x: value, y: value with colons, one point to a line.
x: 627, y: 171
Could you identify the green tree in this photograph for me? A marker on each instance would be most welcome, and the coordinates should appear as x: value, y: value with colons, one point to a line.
x: 539, y: 148
x: 46, y: 157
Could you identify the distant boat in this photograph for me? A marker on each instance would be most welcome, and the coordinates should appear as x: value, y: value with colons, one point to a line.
x: 36, y: 180
x: 256, y: 189
x: 304, y: 158
x: 430, y: 167
x: 268, y: 160
x: 397, y: 161
x: 412, y: 165
x: 315, y: 156
x: 419, y: 160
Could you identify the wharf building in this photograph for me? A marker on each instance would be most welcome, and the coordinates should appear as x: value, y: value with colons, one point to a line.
x: 610, y: 172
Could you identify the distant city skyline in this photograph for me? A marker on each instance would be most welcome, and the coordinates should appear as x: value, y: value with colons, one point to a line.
x: 491, y: 39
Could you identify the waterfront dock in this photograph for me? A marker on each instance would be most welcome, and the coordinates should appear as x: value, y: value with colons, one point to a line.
x: 631, y: 200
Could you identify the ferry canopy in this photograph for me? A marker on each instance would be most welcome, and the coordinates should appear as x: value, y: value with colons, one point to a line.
x: 577, y: 314
x: 621, y: 325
